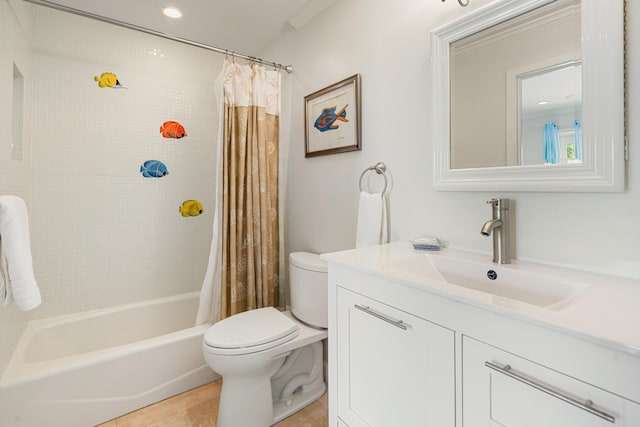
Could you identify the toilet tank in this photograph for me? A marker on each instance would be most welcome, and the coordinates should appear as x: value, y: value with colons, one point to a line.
x: 308, y: 283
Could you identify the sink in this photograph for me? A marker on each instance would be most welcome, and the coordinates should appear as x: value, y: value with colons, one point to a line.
x: 518, y: 281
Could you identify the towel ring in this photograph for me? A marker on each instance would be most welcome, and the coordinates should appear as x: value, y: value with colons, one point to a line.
x: 380, y: 169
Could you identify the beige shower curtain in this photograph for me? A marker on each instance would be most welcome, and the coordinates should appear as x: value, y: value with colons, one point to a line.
x: 249, y: 219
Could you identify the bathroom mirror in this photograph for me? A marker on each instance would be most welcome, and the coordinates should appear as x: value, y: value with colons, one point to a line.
x: 529, y: 96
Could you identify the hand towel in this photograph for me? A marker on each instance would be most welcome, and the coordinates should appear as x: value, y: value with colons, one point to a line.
x: 5, y: 295
x: 386, y: 223
x: 371, y: 218
x: 19, y: 279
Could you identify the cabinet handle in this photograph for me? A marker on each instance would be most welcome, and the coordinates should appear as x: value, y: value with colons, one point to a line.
x: 587, y: 405
x: 396, y: 323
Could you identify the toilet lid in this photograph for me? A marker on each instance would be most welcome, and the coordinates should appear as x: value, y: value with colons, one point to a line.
x: 251, y: 331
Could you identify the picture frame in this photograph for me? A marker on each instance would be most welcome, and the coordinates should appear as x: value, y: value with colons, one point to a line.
x: 332, y: 118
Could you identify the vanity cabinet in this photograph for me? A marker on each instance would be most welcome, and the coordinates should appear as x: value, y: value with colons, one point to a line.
x: 394, y: 369
x: 408, y: 353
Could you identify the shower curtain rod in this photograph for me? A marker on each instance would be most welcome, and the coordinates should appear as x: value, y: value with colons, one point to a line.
x: 287, y: 68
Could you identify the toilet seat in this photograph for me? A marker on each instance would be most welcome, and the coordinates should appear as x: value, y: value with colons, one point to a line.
x: 250, y: 332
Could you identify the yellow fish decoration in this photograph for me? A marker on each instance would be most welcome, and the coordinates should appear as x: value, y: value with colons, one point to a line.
x: 108, y: 80
x: 191, y: 208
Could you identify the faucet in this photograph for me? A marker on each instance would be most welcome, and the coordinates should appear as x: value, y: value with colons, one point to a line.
x: 499, y: 226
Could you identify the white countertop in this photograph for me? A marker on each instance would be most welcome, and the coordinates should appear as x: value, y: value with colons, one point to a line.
x: 606, y: 311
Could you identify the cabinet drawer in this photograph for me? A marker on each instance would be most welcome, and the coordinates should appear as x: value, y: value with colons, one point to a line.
x: 502, y: 389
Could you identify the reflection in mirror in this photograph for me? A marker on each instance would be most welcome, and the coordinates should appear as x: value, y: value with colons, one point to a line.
x: 488, y: 69
x: 489, y: 66
x: 549, y: 104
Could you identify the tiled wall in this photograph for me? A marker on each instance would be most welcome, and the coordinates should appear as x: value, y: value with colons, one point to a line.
x: 15, y: 51
x: 103, y: 234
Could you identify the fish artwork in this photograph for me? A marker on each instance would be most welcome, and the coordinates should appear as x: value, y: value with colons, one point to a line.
x: 327, y: 118
x: 191, y: 208
x: 153, y: 169
x: 108, y: 80
x: 172, y: 129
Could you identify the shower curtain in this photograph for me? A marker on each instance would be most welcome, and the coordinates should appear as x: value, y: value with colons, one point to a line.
x: 551, y: 143
x: 577, y: 138
x: 244, y: 261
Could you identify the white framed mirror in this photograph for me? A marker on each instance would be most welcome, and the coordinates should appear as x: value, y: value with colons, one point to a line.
x: 528, y: 95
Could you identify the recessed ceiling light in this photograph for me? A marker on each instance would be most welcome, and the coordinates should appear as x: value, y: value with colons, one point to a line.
x: 172, y: 12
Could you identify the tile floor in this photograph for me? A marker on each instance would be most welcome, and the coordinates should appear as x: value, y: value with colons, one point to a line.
x: 199, y: 408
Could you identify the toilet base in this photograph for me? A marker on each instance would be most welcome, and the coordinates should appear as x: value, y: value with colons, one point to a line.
x: 301, y: 399
x: 286, y: 387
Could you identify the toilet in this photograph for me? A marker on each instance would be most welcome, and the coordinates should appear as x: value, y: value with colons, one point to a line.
x: 271, y: 362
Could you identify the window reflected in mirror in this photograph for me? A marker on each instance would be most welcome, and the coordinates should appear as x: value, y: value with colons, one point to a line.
x: 550, y: 115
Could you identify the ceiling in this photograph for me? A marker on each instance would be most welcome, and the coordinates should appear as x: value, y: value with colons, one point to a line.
x: 243, y: 26
x: 552, y: 89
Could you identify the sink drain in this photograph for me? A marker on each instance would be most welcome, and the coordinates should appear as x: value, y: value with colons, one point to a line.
x: 491, y: 274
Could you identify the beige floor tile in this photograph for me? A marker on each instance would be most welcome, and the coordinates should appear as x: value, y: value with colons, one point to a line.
x: 314, y: 415
x: 204, y: 414
x: 199, y: 408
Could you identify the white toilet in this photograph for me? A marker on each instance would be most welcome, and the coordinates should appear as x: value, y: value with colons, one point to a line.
x: 271, y: 362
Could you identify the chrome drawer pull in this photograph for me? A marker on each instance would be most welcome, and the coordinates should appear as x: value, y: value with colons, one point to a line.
x: 396, y: 323
x: 585, y: 406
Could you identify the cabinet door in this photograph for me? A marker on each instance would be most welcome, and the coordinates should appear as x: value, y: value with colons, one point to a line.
x: 503, y: 390
x: 394, y: 369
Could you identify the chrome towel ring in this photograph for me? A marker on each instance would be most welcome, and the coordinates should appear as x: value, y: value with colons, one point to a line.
x: 380, y: 169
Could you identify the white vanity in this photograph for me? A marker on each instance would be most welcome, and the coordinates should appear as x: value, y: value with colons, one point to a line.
x: 428, y: 339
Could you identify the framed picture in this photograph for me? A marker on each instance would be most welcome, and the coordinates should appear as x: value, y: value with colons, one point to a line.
x: 332, y: 118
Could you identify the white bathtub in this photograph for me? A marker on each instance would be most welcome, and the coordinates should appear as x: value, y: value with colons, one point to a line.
x: 87, y: 368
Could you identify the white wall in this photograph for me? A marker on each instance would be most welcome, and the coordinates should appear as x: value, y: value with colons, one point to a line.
x: 387, y: 42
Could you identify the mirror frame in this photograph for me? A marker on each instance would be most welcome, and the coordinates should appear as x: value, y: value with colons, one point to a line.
x: 603, y: 120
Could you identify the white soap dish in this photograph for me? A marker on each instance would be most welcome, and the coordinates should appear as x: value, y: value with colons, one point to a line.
x: 426, y: 244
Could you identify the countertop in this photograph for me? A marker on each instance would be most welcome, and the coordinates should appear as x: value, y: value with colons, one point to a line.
x: 605, y: 310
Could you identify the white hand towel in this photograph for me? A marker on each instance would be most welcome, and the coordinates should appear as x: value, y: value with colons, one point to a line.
x: 19, y: 280
x: 5, y: 295
x: 370, y: 219
x: 384, y: 233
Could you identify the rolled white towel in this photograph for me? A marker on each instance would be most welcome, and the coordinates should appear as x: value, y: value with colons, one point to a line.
x: 20, y: 282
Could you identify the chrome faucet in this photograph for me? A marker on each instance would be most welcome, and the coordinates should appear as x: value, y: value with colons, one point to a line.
x: 499, y: 226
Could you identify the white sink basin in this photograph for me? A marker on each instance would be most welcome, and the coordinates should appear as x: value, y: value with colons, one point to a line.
x: 514, y: 281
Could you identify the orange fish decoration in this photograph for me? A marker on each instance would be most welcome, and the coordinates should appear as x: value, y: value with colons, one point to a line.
x: 172, y: 129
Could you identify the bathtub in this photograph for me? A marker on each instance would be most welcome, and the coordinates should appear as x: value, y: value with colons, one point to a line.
x: 87, y: 368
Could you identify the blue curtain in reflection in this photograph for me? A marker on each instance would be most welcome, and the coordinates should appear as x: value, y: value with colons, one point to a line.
x: 577, y: 128
x: 551, y: 143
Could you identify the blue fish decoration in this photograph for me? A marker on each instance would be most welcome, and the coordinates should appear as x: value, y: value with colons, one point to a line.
x: 327, y: 118
x: 153, y: 169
